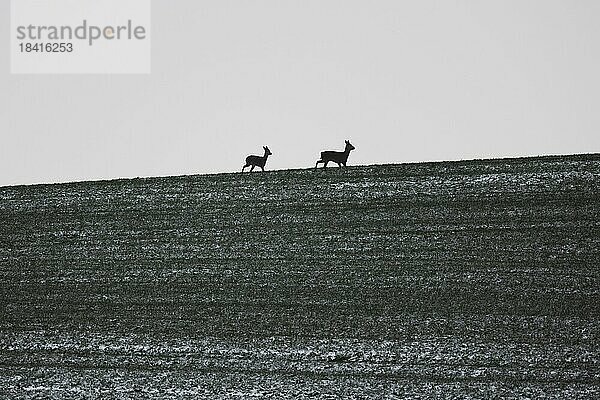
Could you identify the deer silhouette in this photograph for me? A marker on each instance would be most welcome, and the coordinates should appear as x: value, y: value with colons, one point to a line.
x: 257, y: 161
x: 338, y: 157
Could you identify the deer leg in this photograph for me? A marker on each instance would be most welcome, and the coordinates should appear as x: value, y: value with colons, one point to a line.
x: 244, y: 167
x: 252, y: 169
x: 318, y: 161
x: 325, y: 164
x: 339, y: 165
x: 263, y: 168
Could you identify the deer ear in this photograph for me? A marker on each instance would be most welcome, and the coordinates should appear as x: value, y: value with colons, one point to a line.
x: 347, y: 141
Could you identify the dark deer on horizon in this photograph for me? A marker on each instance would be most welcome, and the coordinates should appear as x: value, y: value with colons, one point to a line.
x: 257, y: 161
x: 338, y: 157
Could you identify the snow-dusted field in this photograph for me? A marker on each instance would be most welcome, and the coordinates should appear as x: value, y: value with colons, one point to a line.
x: 473, y: 279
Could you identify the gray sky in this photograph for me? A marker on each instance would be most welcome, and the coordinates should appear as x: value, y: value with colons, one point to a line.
x: 403, y: 80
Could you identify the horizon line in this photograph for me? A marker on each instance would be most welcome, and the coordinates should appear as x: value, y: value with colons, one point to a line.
x: 116, y: 179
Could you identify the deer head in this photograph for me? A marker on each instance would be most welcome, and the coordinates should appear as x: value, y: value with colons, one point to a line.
x: 349, y: 146
x: 267, y: 151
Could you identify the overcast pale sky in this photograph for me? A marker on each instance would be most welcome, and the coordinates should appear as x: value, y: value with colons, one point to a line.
x: 403, y: 80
